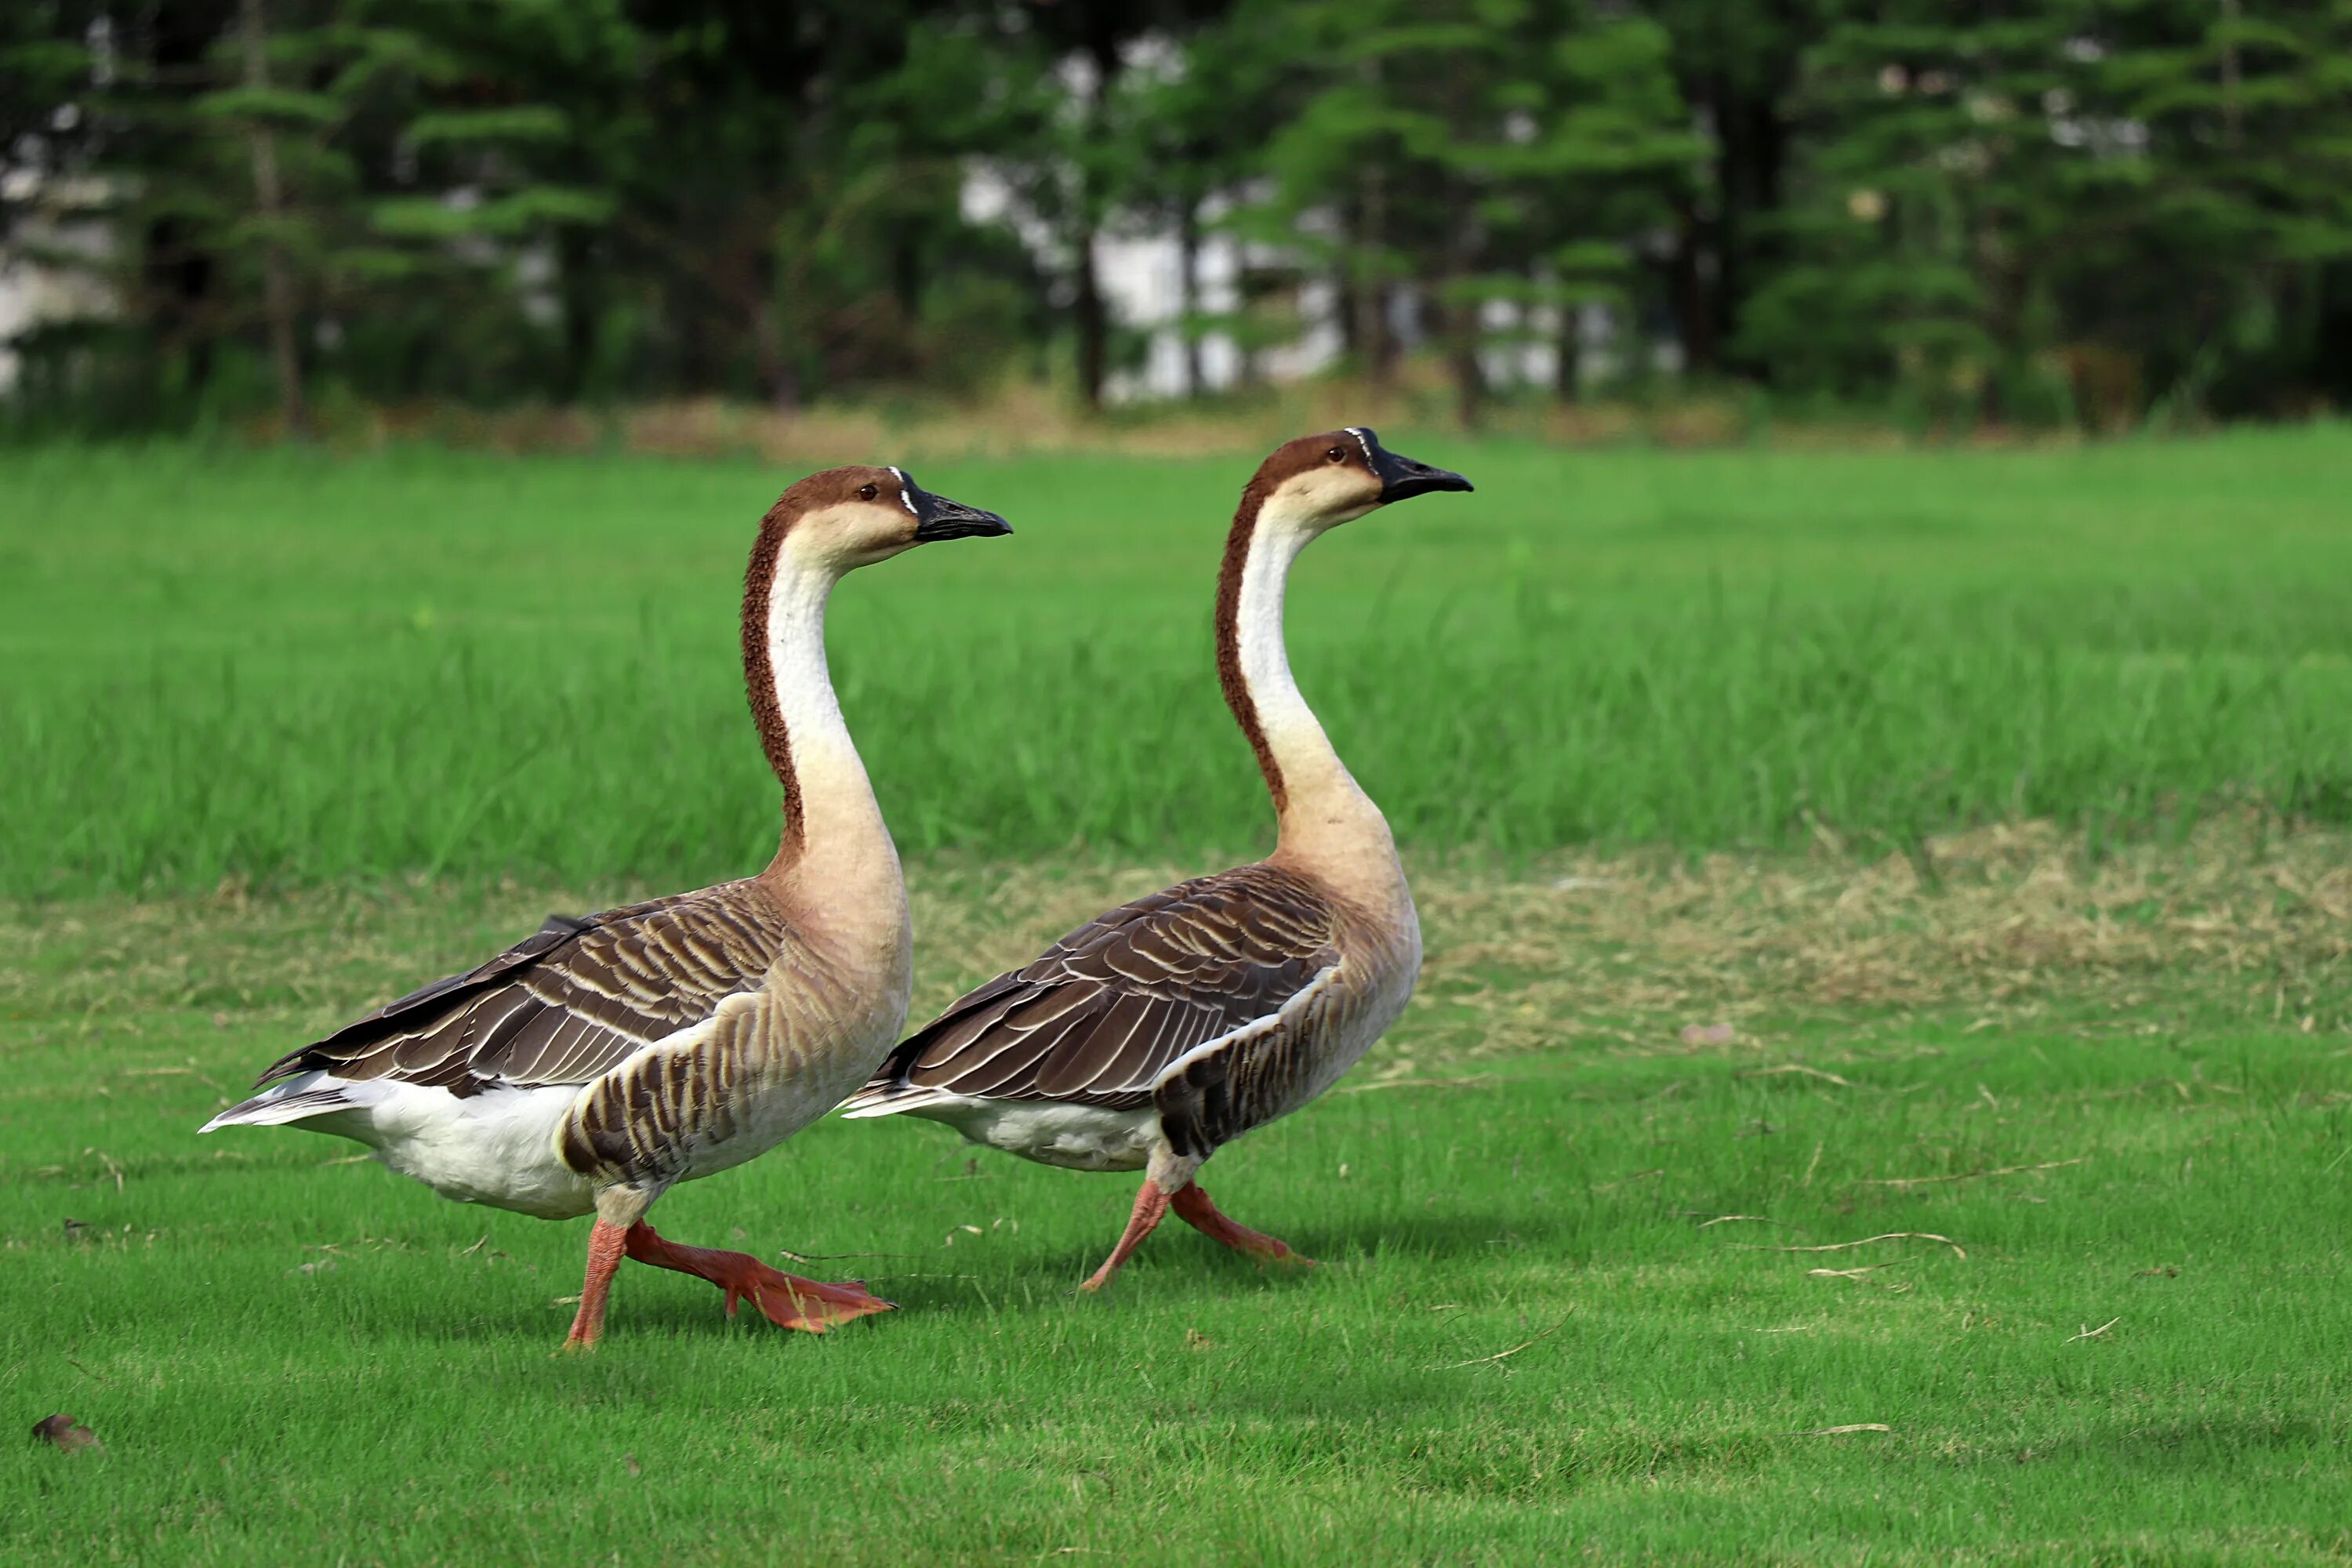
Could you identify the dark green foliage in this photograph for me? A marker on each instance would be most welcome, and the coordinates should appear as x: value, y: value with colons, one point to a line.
x: 2074, y: 208
x: 1486, y: 151
x: 2071, y: 211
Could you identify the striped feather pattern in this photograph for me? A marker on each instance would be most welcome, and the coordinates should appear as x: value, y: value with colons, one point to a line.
x: 567, y: 1004
x: 1278, y: 1064
x: 766, y: 1063
x: 1104, y: 1015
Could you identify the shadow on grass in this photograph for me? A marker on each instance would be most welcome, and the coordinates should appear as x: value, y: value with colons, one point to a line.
x: 2169, y: 1447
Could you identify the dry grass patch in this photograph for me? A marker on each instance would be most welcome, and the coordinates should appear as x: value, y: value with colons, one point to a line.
x: 2009, y: 923
x: 1649, y: 951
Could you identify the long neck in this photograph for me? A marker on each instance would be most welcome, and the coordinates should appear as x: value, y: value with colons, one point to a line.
x: 831, y: 819
x: 1322, y: 812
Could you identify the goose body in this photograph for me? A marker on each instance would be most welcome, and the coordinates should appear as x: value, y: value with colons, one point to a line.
x: 1162, y: 1030
x: 649, y: 1045
x: 1196, y: 1014
x: 604, y: 1060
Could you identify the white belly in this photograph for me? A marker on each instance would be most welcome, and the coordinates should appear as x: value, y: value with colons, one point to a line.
x: 1074, y: 1137
x: 496, y: 1148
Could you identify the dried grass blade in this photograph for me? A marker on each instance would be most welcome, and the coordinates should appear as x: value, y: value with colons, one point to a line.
x: 1865, y: 1241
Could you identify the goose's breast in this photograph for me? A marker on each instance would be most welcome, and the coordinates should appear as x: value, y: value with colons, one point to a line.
x: 1370, y: 991
x: 770, y: 1062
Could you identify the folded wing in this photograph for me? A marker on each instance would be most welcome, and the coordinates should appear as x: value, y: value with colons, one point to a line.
x: 567, y: 1004
x: 1106, y: 1013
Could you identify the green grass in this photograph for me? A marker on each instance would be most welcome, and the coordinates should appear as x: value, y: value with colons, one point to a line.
x: 2109, y: 1065
x: 1526, y: 1343
x: 296, y: 668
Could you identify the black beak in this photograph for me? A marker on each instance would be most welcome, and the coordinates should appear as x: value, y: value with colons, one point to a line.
x: 938, y: 518
x: 1402, y: 479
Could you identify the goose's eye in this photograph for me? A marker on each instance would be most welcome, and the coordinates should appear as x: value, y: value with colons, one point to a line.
x: 1335, y: 455
x: 868, y: 492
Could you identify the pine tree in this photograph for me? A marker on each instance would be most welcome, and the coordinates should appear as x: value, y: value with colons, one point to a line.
x: 1520, y: 146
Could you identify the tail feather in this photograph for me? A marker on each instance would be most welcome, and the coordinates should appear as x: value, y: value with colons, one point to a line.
x: 295, y: 1099
x: 890, y: 1097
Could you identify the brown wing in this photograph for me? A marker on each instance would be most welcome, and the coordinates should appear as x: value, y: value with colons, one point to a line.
x: 1103, y: 1014
x: 566, y: 1004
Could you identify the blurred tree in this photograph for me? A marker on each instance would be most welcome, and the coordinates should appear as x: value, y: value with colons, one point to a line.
x: 789, y: 182
x: 1078, y: 165
x: 1520, y: 145
x: 1735, y: 62
x: 2211, y: 265
x: 2010, y: 209
x: 297, y: 171
x: 2062, y: 211
x: 245, y: 154
x: 1191, y: 129
x: 537, y: 140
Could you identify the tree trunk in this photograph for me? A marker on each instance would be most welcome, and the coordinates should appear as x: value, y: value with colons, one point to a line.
x: 1752, y: 153
x: 1091, y: 319
x: 1091, y: 316
x: 1188, y: 291
x: 1374, y: 342
x: 1564, y: 378
x: 181, y: 280
x: 276, y: 274
x: 177, y: 277
x: 2233, y: 113
x: 773, y: 349
x: 1694, y: 308
x: 1461, y: 327
x: 576, y: 259
x: 780, y: 371
x: 1461, y: 311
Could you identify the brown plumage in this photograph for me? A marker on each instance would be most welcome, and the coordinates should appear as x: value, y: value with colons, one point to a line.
x: 566, y: 1004
x: 604, y: 1058
x: 1166, y: 1027
x: 1104, y: 1013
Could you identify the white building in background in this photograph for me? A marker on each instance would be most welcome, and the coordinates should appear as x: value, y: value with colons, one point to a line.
x: 1141, y: 276
x: 1141, y: 273
x: 36, y: 290
x: 1139, y: 270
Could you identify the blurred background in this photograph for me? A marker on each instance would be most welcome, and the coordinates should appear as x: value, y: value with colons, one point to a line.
x: 2007, y: 214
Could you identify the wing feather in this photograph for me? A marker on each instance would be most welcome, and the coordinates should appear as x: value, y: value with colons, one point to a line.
x: 568, y: 1003
x: 1102, y: 1016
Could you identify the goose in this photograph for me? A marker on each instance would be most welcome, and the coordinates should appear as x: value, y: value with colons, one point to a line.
x: 1167, y: 1027
x: 605, y: 1058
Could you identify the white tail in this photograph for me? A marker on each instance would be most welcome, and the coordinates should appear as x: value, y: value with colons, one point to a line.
x: 893, y: 1097
x: 297, y: 1100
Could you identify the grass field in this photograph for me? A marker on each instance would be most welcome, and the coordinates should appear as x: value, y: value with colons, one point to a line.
x: 294, y: 667
x: 1538, y: 1334
x: 1960, y: 886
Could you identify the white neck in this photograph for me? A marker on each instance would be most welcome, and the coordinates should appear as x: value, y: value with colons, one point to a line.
x: 842, y: 836
x: 1325, y: 816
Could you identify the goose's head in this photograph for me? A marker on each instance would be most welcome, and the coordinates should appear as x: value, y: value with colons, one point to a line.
x: 842, y: 518
x: 1321, y: 481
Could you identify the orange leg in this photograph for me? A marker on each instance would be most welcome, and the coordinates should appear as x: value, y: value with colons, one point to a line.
x: 1193, y: 1207
x: 1151, y: 1207
x: 786, y: 1300
x: 606, y: 1243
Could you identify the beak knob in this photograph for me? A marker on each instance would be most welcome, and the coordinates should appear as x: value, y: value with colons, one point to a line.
x: 1403, y: 477
x: 938, y: 518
